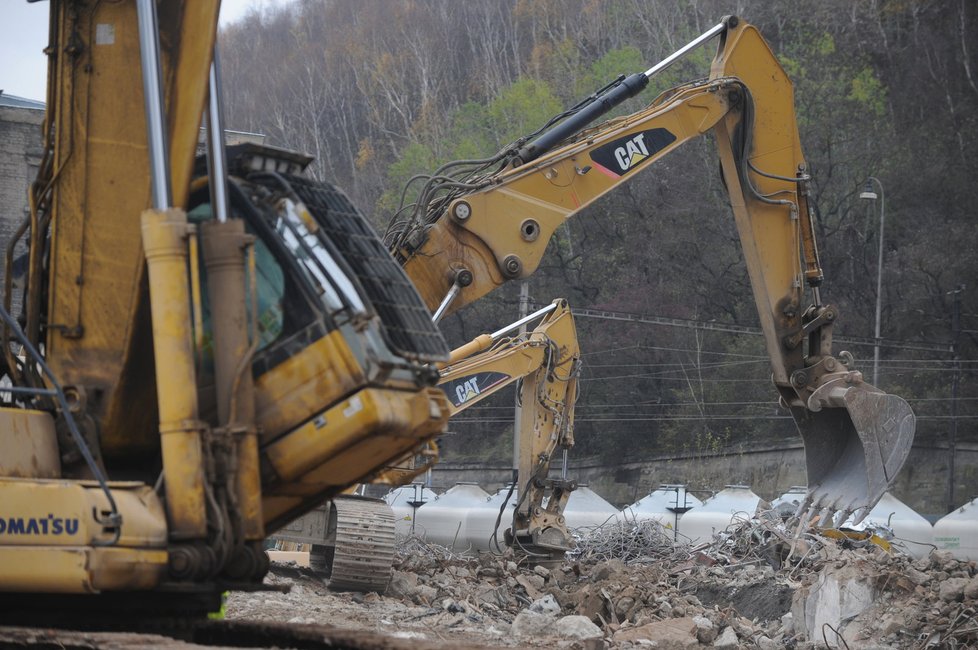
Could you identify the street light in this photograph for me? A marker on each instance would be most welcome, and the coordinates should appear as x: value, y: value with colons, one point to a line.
x: 869, y: 195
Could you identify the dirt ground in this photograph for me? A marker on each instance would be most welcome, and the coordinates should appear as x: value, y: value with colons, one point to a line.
x: 309, y: 602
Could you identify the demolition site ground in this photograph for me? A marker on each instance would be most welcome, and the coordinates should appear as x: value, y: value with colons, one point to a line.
x: 761, y: 585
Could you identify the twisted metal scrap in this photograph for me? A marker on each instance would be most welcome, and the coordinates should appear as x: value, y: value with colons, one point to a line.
x: 788, y: 545
x: 631, y: 542
x: 414, y: 547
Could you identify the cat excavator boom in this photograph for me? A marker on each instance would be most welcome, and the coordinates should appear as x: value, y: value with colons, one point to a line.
x: 478, y: 224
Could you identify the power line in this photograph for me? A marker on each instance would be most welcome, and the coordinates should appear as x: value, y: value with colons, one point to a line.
x: 678, y: 418
x: 693, y: 418
x: 586, y: 405
x: 944, y: 361
x: 684, y: 368
x: 652, y: 405
x: 659, y: 348
x: 714, y: 326
x: 682, y: 379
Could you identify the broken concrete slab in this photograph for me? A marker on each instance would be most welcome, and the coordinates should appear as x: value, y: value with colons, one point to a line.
x: 952, y: 589
x: 971, y: 590
x: 577, y: 627
x: 671, y: 634
x: 838, y: 595
x: 533, y: 624
x: 403, y: 585
x: 706, y: 631
x: 546, y: 605
x: 727, y: 639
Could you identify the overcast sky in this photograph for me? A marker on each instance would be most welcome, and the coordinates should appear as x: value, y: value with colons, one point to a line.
x: 24, y: 33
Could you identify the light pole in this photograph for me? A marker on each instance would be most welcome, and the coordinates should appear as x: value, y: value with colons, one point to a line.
x: 952, y: 446
x: 869, y: 195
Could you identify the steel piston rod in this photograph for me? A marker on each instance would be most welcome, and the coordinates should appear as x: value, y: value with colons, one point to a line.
x: 681, y: 52
x: 523, y: 321
x: 216, y: 157
x: 605, y: 101
x: 149, y: 55
x: 449, y: 298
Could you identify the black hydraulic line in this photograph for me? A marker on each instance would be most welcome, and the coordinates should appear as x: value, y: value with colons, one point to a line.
x: 601, y: 104
x: 611, y: 96
x: 494, y: 538
x: 113, y: 519
x: 26, y: 390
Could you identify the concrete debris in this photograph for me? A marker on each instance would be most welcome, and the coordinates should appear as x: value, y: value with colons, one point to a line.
x: 727, y: 639
x: 760, y: 585
x: 671, y: 634
x: 533, y: 624
x: 578, y: 627
x: 839, y: 594
x: 546, y: 605
x: 952, y: 589
x: 706, y: 632
x: 971, y: 589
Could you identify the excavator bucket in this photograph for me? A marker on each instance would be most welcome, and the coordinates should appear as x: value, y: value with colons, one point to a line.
x: 856, y: 440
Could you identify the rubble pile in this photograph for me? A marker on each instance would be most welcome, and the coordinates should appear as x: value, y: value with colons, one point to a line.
x: 760, y: 584
x: 927, y: 603
x: 627, y: 583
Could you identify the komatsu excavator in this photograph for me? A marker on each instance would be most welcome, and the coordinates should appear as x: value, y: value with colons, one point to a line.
x: 205, y: 353
x: 479, y: 223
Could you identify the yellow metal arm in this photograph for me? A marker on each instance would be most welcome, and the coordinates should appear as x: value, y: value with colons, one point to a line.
x: 547, y: 360
x: 97, y: 186
x: 500, y: 230
x: 490, y: 362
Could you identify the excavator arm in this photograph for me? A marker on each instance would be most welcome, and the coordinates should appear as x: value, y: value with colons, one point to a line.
x: 547, y: 361
x: 471, y: 233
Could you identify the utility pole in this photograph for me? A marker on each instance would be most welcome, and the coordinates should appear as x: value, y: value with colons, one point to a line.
x: 955, y: 380
x: 869, y: 195
x: 524, y: 310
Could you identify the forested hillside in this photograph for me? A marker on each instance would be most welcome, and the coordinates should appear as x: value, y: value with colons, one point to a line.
x: 381, y: 90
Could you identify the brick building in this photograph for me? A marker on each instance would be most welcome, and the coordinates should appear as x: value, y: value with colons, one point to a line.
x: 20, y: 155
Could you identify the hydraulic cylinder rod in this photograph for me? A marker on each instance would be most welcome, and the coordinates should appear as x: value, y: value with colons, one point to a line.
x: 149, y: 54
x: 604, y: 102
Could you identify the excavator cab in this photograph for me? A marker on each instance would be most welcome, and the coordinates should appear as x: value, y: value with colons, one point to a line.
x: 338, y: 323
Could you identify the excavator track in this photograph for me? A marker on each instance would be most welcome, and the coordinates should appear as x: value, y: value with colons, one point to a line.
x: 364, y: 550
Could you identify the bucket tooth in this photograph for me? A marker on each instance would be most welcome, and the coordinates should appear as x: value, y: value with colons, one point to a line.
x: 856, y: 440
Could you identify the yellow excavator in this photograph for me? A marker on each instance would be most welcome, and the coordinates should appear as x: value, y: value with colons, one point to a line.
x: 479, y: 223
x: 547, y: 360
x: 208, y: 350
x: 204, y: 353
